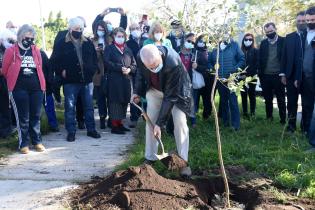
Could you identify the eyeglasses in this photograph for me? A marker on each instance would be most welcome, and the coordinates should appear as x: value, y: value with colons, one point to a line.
x: 248, y: 39
x: 136, y: 28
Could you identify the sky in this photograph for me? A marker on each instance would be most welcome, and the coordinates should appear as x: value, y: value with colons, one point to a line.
x: 22, y: 12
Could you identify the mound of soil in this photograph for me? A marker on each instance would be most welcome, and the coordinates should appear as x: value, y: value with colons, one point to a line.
x: 138, y: 188
x: 173, y: 162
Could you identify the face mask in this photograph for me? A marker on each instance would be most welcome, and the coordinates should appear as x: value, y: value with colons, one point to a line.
x: 222, y: 45
x: 109, y: 27
x: 158, y: 69
x: 158, y: 36
x: 13, y: 30
x: 7, y: 44
x: 311, y: 26
x: 100, y: 33
x: 136, y: 34
x: 301, y: 27
x: 119, y: 40
x: 272, y: 35
x: 76, y: 34
x: 201, y: 44
x: 248, y: 43
x: 27, y: 42
x: 188, y: 45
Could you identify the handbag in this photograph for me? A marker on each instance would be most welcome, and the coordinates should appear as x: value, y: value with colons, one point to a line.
x: 197, y: 78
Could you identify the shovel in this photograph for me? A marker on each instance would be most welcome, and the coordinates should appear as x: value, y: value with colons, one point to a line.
x: 146, y: 117
x: 171, y: 161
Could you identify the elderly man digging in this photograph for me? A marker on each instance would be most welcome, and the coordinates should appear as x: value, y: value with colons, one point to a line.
x: 164, y: 81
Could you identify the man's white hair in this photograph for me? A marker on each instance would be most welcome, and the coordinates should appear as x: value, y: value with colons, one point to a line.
x: 75, y: 22
x: 149, y: 54
x: 6, y: 34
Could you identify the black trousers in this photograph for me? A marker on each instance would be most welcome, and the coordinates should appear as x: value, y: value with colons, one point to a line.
x: 307, y: 93
x: 5, y: 112
x: 249, y: 92
x: 271, y: 84
x: 292, y: 96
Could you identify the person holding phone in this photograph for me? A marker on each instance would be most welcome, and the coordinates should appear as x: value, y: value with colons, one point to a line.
x: 100, y: 17
x: 120, y: 63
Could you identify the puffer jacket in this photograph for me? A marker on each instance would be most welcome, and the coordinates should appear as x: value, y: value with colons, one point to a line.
x: 175, y: 84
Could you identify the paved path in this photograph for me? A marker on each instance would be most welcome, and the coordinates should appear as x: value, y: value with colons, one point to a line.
x: 40, y: 180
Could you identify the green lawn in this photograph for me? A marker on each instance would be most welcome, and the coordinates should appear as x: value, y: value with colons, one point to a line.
x: 260, y: 145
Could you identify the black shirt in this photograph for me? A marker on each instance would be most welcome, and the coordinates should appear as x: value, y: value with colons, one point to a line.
x: 28, y: 78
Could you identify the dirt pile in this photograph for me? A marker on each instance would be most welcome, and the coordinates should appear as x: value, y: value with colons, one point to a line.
x: 138, y: 188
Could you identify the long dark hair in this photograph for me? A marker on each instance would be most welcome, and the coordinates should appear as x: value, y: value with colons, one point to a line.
x: 107, y: 37
x: 253, y: 44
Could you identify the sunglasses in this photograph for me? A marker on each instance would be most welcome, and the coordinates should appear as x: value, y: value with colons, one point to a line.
x: 248, y: 39
x: 189, y: 41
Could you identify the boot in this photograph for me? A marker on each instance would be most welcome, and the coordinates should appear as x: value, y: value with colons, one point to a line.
x: 102, y: 123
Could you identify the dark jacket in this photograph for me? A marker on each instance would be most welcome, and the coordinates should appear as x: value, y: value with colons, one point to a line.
x: 133, y: 45
x: 66, y: 59
x: 48, y: 73
x: 251, y: 61
x: 202, y: 62
x: 174, y: 42
x: 230, y: 59
x: 119, y: 85
x: 174, y: 82
x: 123, y: 21
x: 264, y: 53
x: 292, y: 56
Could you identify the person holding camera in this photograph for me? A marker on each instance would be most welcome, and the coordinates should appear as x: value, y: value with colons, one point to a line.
x: 120, y: 63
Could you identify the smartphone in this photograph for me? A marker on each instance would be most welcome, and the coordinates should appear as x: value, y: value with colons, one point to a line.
x: 100, y: 45
x: 114, y: 9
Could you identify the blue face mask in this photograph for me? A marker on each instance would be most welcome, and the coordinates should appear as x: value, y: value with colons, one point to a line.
x: 109, y: 27
x: 100, y: 33
x: 157, y: 69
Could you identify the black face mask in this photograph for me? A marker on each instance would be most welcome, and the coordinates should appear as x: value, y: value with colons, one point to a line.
x: 272, y: 35
x: 27, y: 42
x: 311, y: 26
x: 76, y: 34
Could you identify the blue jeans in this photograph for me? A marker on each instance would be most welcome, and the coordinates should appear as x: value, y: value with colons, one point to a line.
x: 50, y: 111
x: 101, y: 101
x: 312, y: 130
x: 229, y: 105
x: 27, y: 108
x: 71, y: 93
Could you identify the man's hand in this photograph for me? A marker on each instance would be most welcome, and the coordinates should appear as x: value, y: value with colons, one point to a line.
x: 157, y: 131
x: 63, y: 74
x: 126, y: 71
x: 296, y: 84
x: 194, y: 65
x: 284, y: 80
x: 135, y: 98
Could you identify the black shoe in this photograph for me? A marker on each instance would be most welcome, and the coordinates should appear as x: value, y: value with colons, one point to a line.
x: 123, y: 128
x: 290, y: 129
x: 148, y: 162
x: 54, y: 129
x: 117, y: 130
x: 102, y: 123
x: 109, y: 123
x: 282, y: 122
x: 81, y: 125
x: 93, y: 134
x: 71, y: 137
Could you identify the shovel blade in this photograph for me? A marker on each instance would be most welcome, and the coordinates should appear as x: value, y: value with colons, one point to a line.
x: 162, y: 156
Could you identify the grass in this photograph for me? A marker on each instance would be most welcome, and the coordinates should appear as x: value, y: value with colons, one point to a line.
x: 10, y: 144
x: 259, y: 145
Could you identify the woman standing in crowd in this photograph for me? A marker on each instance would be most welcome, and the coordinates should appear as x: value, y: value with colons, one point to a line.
x: 157, y: 36
x: 100, y: 40
x: 251, y: 67
x: 120, y: 63
x: 22, y: 68
x: 187, y: 54
x: 202, y: 67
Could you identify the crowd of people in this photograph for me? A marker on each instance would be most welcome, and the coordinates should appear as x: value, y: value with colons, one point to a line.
x: 164, y: 73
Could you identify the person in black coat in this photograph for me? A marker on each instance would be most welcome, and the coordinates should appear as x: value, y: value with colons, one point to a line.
x: 177, y: 35
x: 252, y: 62
x: 76, y: 62
x: 270, y: 54
x: 291, y: 59
x: 163, y: 79
x: 120, y: 64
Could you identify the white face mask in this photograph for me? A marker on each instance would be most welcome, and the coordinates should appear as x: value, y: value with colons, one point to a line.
x: 222, y: 46
x: 248, y: 43
x: 158, y: 36
x: 158, y: 69
x: 100, y: 33
x: 6, y: 44
x: 136, y: 34
x: 201, y: 44
x: 188, y: 45
x: 119, y: 40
